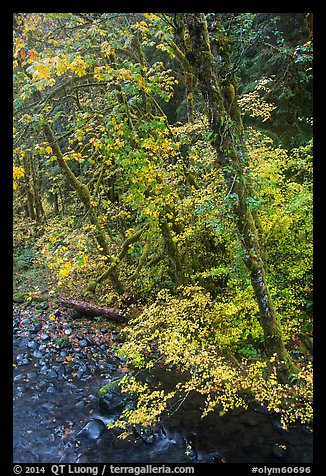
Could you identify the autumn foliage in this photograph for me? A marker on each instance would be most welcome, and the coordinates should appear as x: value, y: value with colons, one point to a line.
x: 119, y: 192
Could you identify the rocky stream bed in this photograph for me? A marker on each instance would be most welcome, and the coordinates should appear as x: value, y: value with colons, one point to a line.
x: 61, y: 362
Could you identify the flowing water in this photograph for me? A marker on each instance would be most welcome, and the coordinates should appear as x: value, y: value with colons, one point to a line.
x: 58, y: 416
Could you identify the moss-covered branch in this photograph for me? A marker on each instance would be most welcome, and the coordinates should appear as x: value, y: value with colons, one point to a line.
x: 116, y: 260
x: 173, y: 252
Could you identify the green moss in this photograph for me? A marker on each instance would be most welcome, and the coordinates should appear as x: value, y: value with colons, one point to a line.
x: 19, y: 298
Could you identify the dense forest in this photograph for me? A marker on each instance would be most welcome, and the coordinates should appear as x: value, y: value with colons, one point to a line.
x: 162, y: 168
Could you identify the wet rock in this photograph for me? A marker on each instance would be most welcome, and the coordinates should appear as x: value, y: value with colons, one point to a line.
x: 81, y: 373
x: 92, y: 430
x: 72, y: 458
x: 48, y: 406
x: 32, y: 345
x: 18, y: 377
x: 83, y: 343
x: 38, y: 354
x: 111, y: 399
x: 92, y: 398
x: 68, y: 332
x: 31, y: 375
x: 80, y: 404
x: 23, y: 342
x: 36, y: 328
x: 51, y: 389
x: 26, y: 321
x: 61, y: 372
x: 52, y: 373
x: 40, y: 384
x: 190, y: 451
x: 104, y: 330
x: 279, y: 450
x: 44, y: 369
x: 145, y: 433
x: 24, y: 361
x: 68, y: 369
x: 44, y: 337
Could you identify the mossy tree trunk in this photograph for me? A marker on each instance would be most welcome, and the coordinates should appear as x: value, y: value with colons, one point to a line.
x: 84, y: 196
x: 219, y: 88
x: 115, y: 262
x: 177, y: 271
x: 188, y: 74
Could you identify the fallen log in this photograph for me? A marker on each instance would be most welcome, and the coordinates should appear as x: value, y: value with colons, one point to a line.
x: 91, y: 310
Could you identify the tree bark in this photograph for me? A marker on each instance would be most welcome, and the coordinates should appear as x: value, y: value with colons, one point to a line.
x: 91, y: 310
x: 173, y: 253
x: 112, y: 268
x: 219, y: 88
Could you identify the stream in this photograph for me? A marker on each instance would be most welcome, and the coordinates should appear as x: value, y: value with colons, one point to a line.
x: 60, y: 364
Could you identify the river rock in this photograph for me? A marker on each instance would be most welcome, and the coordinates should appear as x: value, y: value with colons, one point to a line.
x: 92, y: 430
x: 61, y: 372
x: 280, y: 451
x: 145, y: 433
x: 92, y: 398
x: 52, y: 373
x: 37, y: 327
x: 44, y: 369
x: 32, y: 345
x: 111, y: 399
x: 51, y: 389
x: 24, y: 361
x: 18, y: 377
x: 31, y: 375
x: 80, y: 404
x: 23, y: 342
x: 44, y: 337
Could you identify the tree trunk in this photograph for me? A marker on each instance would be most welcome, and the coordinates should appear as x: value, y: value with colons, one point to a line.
x: 177, y: 270
x: 219, y: 87
x: 112, y: 268
x: 84, y: 195
x: 91, y: 310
